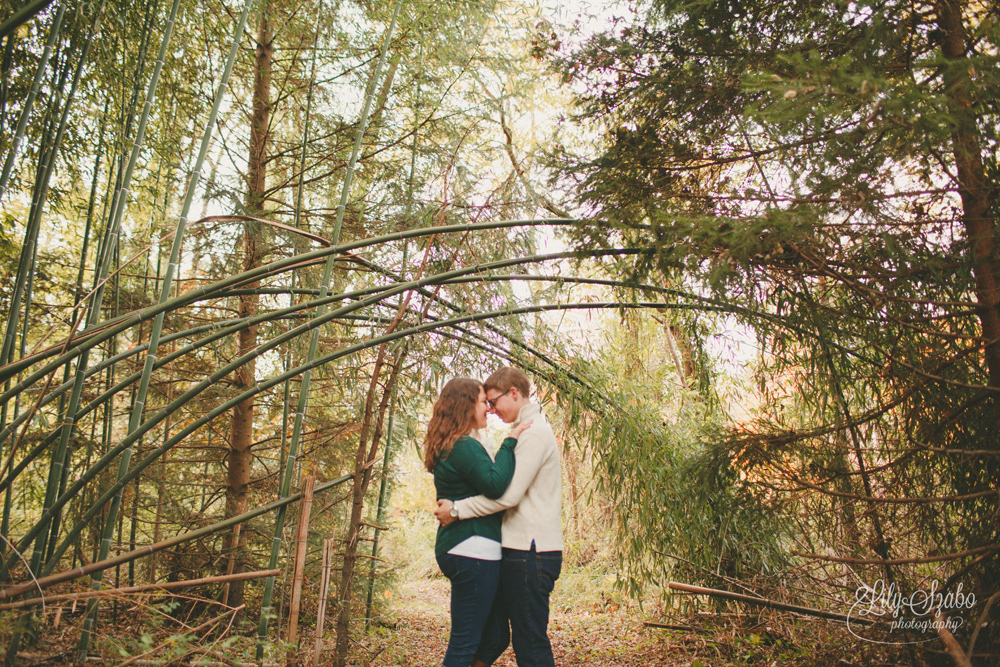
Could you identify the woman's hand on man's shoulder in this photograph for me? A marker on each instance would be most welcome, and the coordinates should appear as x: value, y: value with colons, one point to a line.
x: 519, y: 429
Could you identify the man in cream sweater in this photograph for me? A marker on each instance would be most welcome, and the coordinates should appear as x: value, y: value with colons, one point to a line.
x: 532, y: 529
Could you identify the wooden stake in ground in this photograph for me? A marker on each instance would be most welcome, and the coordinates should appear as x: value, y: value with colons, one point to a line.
x: 324, y: 594
x: 300, y: 563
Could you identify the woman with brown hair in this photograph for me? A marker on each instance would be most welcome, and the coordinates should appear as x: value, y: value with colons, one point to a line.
x: 468, y: 552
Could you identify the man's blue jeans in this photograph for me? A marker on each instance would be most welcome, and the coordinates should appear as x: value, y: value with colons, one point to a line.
x: 473, y: 587
x: 521, y: 608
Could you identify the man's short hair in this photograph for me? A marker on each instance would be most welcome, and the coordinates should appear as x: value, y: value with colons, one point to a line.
x: 507, y: 377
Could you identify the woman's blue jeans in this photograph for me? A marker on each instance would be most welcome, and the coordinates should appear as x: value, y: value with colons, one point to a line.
x: 473, y: 587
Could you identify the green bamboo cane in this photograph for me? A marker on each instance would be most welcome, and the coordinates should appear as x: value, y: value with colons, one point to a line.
x: 121, y: 385
x: 123, y: 179
x: 492, y: 351
x: 314, y: 338
x: 285, y: 312
x: 225, y: 370
x: 56, y: 470
x: 299, y: 187
x: 91, y: 202
x: 158, y: 322
x: 26, y: 270
x: 267, y: 384
x: 8, y: 497
x: 282, y: 339
x: 90, y: 338
x: 6, y: 62
x: 26, y: 259
x: 22, y: 15
x: 22, y: 121
x: 108, y: 364
x: 165, y: 360
x: 305, y: 130
x: 303, y: 401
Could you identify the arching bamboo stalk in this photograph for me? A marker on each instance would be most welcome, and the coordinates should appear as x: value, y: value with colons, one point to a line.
x: 225, y: 332
x: 404, y: 288
x: 90, y: 338
x: 277, y: 341
x: 301, y: 369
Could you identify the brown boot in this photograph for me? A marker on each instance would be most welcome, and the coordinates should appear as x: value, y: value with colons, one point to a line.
x: 478, y: 663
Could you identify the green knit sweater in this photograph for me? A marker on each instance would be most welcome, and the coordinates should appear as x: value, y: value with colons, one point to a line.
x: 469, y: 471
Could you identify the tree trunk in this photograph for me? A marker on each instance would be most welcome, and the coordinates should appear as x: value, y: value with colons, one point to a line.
x: 298, y: 573
x: 979, y: 223
x: 362, y: 478
x: 241, y: 423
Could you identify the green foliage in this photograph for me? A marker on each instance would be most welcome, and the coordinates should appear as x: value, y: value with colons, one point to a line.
x: 683, y: 506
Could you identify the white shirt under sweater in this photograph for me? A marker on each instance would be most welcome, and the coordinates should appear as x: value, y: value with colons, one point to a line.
x: 534, y: 498
x: 477, y: 546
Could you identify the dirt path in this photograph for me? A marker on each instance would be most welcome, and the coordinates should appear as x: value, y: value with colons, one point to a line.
x: 591, y: 637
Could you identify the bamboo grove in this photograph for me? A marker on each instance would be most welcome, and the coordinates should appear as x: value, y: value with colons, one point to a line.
x: 243, y: 241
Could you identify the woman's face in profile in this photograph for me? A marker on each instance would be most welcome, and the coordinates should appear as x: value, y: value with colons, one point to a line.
x: 481, y: 409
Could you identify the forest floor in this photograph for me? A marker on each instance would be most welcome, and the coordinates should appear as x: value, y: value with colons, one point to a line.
x: 595, y: 635
x: 587, y: 629
x: 580, y: 636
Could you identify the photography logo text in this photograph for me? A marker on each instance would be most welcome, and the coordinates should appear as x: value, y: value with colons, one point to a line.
x: 915, y: 617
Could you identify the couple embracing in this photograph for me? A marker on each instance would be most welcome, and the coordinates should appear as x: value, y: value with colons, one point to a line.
x: 500, y: 540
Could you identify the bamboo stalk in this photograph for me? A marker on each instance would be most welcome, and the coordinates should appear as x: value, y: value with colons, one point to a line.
x: 90, y: 338
x: 57, y: 469
x: 22, y: 15
x: 302, y: 369
x: 298, y: 370
x: 304, y: 386
x: 22, y: 121
x: 69, y: 575
x: 236, y: 322
x: 324, y: 594
x: 380, y: 515
x: 762, y: 602
x: 294, y: 372
x: 164, y: 586
x: 4, y: 483
x: 57, y: 474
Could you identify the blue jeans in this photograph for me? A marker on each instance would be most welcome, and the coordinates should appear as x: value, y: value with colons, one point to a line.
x: 473, y: 587
x: 521, y: 609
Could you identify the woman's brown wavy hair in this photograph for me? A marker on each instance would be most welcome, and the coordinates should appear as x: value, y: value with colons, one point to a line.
x: 453, y: 416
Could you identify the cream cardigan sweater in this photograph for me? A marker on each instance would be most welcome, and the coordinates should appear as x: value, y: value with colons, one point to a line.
x: 534, y: 498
